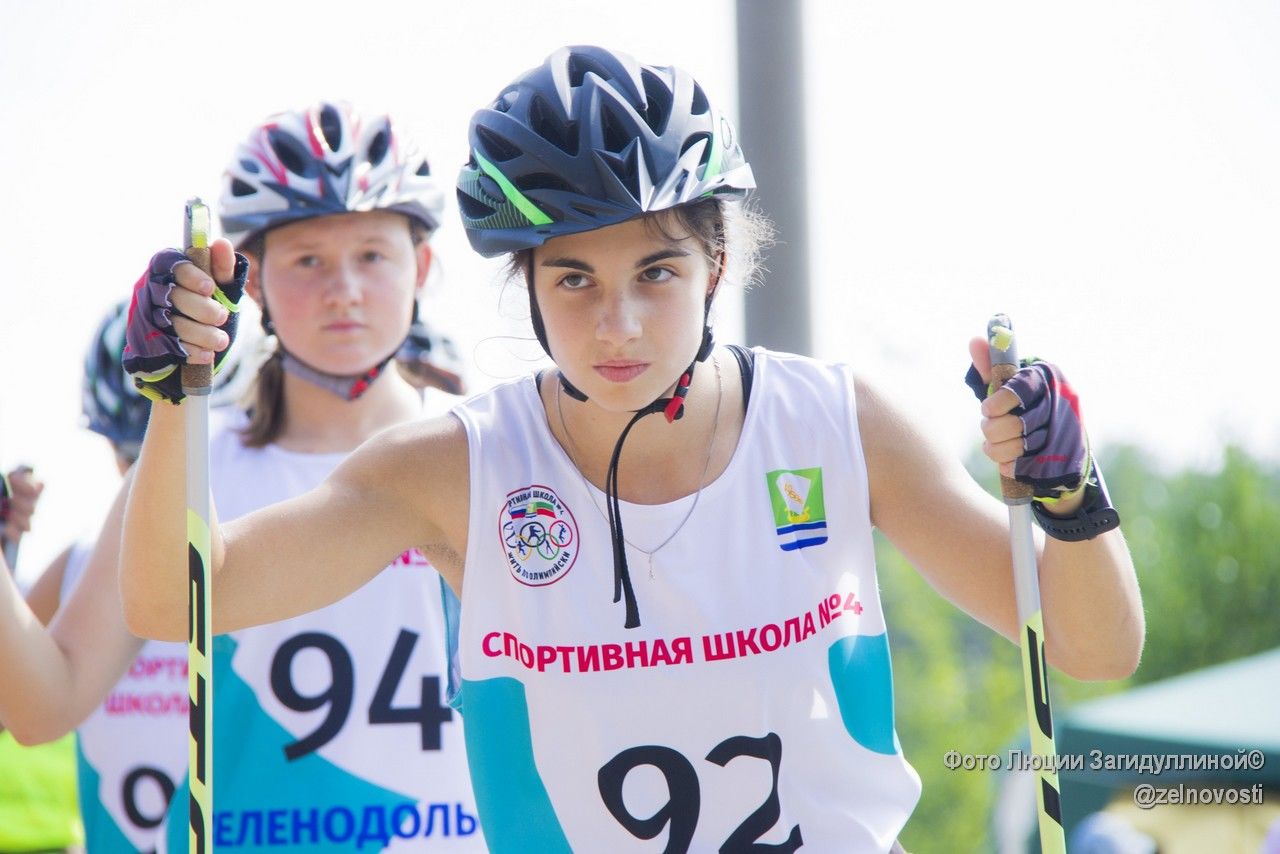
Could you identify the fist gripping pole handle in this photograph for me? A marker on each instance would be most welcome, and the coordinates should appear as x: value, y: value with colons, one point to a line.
x: 1004, y: 364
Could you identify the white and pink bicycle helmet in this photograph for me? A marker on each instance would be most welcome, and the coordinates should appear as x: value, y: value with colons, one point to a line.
x: 324, y: 159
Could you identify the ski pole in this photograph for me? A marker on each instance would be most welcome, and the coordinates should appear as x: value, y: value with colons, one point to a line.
x: 1026, y: 583
x: 196, y: 383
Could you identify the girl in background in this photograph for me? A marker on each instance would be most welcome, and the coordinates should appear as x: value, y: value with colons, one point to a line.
x: 331, y: 730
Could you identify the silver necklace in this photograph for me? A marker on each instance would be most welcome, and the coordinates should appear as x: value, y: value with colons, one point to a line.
x: 706, y: 467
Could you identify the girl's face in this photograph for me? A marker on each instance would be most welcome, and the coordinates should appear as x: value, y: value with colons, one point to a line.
x: 623, y: 308
x: 340, y: 288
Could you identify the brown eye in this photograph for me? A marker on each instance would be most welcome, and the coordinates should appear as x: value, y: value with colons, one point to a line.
x: 657, y: 274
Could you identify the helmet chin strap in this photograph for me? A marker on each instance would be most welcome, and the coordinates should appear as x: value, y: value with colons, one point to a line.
x: 346, y: 386
x: 672, y: 409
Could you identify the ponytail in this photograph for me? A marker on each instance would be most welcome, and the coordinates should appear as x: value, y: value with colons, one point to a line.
x: 266, y: 408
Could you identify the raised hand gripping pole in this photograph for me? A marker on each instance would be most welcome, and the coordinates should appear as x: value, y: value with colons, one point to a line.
x: 196, y: 383
x: 1026, y: 583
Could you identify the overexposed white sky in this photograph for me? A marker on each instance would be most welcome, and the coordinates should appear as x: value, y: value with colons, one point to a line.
x: 1105, y: 172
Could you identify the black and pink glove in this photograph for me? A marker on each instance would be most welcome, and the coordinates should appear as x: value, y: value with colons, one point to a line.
x: 1056, y: 461
x: 153, y: 352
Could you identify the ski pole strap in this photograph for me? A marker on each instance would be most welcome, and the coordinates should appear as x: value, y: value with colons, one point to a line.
x: 1095, y: 516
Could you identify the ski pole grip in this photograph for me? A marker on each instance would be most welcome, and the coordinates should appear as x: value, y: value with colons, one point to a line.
x: 1004, y: 364
x: 197, y: 379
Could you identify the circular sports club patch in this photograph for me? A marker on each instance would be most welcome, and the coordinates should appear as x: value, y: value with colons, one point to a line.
x: 539, y: 534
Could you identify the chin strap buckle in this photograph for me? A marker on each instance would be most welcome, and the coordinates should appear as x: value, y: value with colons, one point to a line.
x: 674, y: 409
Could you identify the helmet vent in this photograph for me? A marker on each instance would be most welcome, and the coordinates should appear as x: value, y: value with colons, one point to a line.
x: 241, y: 188
x: 694, y: 140
x: 378, y: 147
x: 472, y: 208
x: 580, y: 64
x: 331, y: 127
x: 495, y: 146
x: 657, y: 102
x: 249, y: 165
x: 546, y: 123
x: 614, y: 130
x: 291, y: 153
x: 699, y: 104
x: 506, y: 101
x: 626, y: 170
x: 543, y: 181
x: 424, y: 169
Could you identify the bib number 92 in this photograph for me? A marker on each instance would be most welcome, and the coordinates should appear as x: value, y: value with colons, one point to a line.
x: 680, y: 812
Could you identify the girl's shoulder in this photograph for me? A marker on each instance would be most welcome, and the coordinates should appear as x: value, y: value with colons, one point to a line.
x: 786, y: 365
x: 433, y: 437
x: 507, y: 408
x: 800, y: 383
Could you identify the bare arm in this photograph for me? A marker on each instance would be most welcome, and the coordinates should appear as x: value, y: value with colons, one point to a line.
x: 957, y: 536
x: 45, y: 595
x: 51, y: 679
x: 401, y: 489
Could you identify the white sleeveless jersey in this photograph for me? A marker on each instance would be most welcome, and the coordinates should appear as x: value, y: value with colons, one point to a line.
x: 131, y: 751
x: 754, y: 703
x: 331, y: 730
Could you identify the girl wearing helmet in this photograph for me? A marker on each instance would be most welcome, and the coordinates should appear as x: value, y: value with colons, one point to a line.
x: 330, y: 728
x: 714, y: 675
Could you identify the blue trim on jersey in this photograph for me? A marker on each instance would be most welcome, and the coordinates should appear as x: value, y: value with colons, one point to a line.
x: 802, y: 526
x: 800, y: 544
x: 515, y: 809
x: 863, y: 680
x: 452, y: 607
x: 101, y: 833
x: 252, y: 774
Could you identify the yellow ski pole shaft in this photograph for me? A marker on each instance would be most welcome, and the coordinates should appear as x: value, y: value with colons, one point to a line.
x: 1026, y: 582
x: 196, y: 383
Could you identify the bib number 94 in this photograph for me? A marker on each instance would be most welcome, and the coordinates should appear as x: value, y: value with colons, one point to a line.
x: 430, y: 715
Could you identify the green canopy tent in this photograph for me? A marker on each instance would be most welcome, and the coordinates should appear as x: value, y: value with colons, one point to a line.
x: 1201, y: 727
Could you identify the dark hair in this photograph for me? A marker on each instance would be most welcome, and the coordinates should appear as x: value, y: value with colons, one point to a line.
x: 266, y: 404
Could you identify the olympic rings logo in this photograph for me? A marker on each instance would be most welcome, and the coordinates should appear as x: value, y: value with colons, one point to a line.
x: 539, y: 535
x: 533, y: 537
